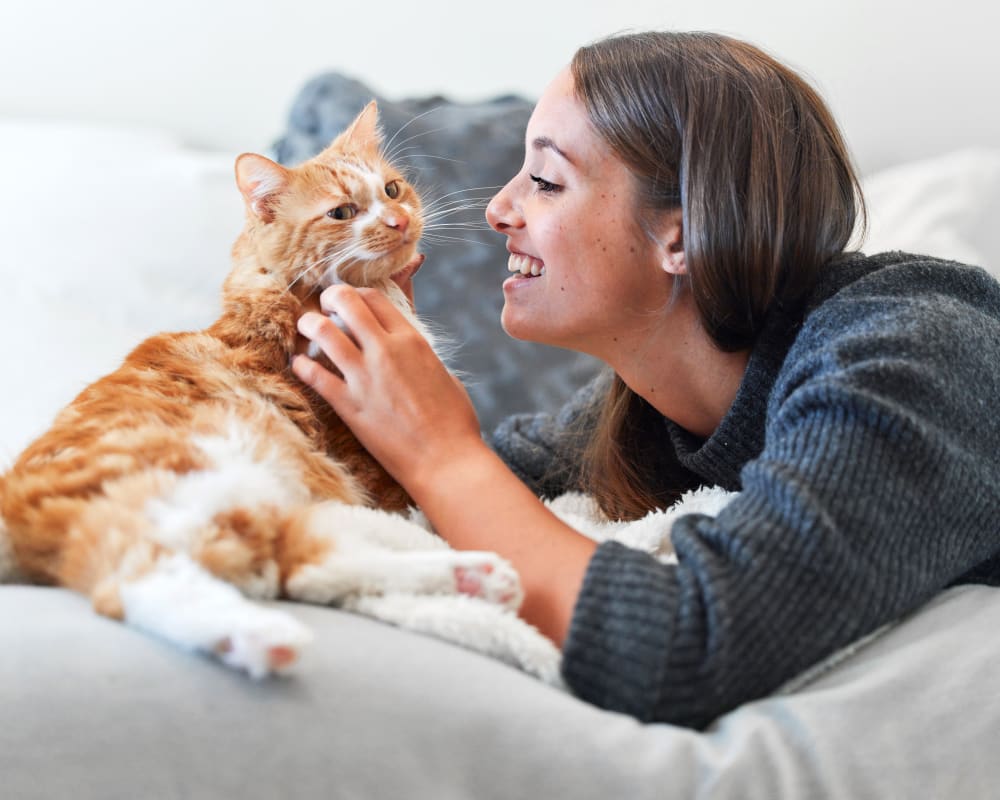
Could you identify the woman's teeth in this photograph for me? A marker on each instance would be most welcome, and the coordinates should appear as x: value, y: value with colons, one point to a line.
x: 526, y: 265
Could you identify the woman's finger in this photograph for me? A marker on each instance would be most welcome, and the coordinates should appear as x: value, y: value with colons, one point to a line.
x: 347, y: 303
x: 384, y: 310
x: 327, y: 335
x: 329, y: 386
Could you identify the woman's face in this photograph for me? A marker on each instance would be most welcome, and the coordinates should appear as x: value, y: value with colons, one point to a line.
x: 570, y: 216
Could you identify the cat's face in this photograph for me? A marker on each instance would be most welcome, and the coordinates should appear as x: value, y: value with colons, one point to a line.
x: 345, y: 215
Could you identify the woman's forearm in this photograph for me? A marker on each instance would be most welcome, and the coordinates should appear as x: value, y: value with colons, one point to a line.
x: 476, y: 503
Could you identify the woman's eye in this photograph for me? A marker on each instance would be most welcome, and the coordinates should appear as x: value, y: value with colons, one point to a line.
x: 392, y: 189
x: 544, y: 185
x: 342, y: 212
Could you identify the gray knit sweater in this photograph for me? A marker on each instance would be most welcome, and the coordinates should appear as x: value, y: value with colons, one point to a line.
x: 865, y: 447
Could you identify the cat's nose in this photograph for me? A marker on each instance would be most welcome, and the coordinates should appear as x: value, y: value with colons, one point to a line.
x: 398, y: 221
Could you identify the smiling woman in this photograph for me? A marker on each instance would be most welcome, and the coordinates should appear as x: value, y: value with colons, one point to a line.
x: 684, y: 213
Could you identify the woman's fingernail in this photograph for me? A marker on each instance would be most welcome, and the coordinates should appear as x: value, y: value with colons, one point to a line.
x: 308, y: 324
x: 300, y: 366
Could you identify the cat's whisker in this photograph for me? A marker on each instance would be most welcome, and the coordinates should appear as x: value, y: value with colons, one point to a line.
x: 337, y: 255
x: 465, y: 197
x: 453, y: 206
x: 306, y: 269
x: 340, y: 257
x: 301, y: 274
x: 437, y: 231
x: 336, y: 258
x: 470, y: 189
x: 448, y: 199
x: 405, y: 125
x: 437, y: 238
x: 458, y: 202
x: 435, y: 222
x: 400, y: 150
x: 428, y: 155
x: 443, y: 213
x: 390, y: 155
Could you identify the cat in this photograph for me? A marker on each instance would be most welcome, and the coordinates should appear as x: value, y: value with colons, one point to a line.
x: 202, y: 476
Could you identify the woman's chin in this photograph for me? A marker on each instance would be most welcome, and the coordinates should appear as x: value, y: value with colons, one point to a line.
x: 522, y: 329
x: 512, y: 326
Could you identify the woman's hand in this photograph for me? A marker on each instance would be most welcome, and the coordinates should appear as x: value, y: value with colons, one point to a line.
x: 415, y: 418
x: 397, y: 397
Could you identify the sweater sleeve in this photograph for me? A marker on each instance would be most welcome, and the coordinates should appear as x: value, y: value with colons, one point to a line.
x: 878, y: 486
x: 543, y: 449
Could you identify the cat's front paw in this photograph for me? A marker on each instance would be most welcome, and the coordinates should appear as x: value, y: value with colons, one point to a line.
x: 490, y: 578
x: 265, y: 642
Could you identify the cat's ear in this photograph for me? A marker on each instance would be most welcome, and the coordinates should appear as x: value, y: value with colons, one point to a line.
x: 262, y: 182
x: 363, y: 135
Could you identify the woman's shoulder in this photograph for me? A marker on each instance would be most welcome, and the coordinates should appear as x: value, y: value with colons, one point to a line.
x: 856, y: 279
x: 870, y: 311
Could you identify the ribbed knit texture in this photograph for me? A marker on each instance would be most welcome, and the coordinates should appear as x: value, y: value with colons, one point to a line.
x: 865, y: 445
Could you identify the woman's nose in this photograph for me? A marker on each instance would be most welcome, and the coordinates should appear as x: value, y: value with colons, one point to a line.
x: 502, y: 213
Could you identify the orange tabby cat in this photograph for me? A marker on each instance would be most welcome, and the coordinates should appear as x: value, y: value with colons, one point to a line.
x: 202, y: 458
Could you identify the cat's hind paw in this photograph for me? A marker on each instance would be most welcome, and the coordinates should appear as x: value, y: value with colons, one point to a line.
x: 183, y: 603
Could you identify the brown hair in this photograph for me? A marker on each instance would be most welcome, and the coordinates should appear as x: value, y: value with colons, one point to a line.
x: 768, y: 195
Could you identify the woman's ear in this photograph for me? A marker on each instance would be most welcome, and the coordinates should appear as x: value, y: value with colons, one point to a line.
x: 671, y: 241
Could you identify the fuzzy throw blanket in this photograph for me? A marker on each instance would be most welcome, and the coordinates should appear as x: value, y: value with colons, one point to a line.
x: 487, y: 627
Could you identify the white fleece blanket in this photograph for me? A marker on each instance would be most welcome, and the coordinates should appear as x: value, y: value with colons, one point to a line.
x: 486, y: 627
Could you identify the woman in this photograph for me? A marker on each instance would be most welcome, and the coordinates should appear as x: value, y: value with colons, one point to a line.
x: 686, y: 202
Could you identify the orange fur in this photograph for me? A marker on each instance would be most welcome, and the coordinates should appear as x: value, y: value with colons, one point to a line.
x: 76, y: 504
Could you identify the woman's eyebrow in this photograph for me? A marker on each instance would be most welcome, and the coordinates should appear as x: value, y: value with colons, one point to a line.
x: 544, y: 142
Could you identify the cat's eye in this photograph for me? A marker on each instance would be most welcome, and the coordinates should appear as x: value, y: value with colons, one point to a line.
x: 393, y: 189
x: 343, y: 212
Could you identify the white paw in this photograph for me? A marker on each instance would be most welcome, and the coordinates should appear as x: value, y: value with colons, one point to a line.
x: 490, y: 578
x: 263, y: 642
x: 181, y: 602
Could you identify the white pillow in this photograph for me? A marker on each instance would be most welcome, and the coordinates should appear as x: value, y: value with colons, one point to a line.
x: 106, y: 236
x: 945, y: 206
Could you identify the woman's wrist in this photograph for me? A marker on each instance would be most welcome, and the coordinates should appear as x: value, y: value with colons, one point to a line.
x: 475, y: 502
x: 450, y: 467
